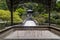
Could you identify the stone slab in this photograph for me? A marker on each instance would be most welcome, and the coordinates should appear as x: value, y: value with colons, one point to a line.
x: 32, y: 34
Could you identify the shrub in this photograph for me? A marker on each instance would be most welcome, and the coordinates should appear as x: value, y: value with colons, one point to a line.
x: 21, y: 11
x: 44, y: 15
x: 5, y: 15
x: 52, y: 20
x: 57, y: 21
x: 40, y: 20
x: 16, y: 18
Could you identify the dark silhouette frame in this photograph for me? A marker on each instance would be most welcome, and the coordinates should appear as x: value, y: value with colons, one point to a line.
x: 12, y: 5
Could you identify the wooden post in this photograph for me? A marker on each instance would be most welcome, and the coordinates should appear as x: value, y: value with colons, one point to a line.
x: 11, y: 12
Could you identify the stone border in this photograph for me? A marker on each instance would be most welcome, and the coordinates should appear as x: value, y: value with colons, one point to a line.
x: 6, y: 29
x: 18, y: 27
x: 55, y: 30
x: 32, y: 27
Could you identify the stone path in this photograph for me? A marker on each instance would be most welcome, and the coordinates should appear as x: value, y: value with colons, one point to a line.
x: 32, y: 34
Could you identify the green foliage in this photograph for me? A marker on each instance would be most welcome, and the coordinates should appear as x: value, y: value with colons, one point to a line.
x: 58, y: 6
x: 44, y: 15
x: 58, y: 15
x: 34, y: 6
x: 58, y: 21
x: 6, y: 16
x: 55, y: 15
x: 40, y: 20
x: 30, y: 5
x: 52, y: 20
x: 3, y: 4
x: 21, y: 11
x: 41, y: 8
x: 41, y: 16
x: 16, y: 18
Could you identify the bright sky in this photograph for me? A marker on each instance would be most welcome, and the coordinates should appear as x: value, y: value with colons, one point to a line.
x: 58, y: 0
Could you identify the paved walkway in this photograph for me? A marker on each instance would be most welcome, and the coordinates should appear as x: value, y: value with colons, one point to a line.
x: 32, y: 34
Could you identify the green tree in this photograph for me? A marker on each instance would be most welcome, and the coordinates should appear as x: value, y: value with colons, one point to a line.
x: 3, y: 4
x: 6, y: 16
x: 58, y: 6
x: 21, y: 11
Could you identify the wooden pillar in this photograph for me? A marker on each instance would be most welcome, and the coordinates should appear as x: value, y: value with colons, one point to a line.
x: 11, y: 12
x: 49, y: 11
